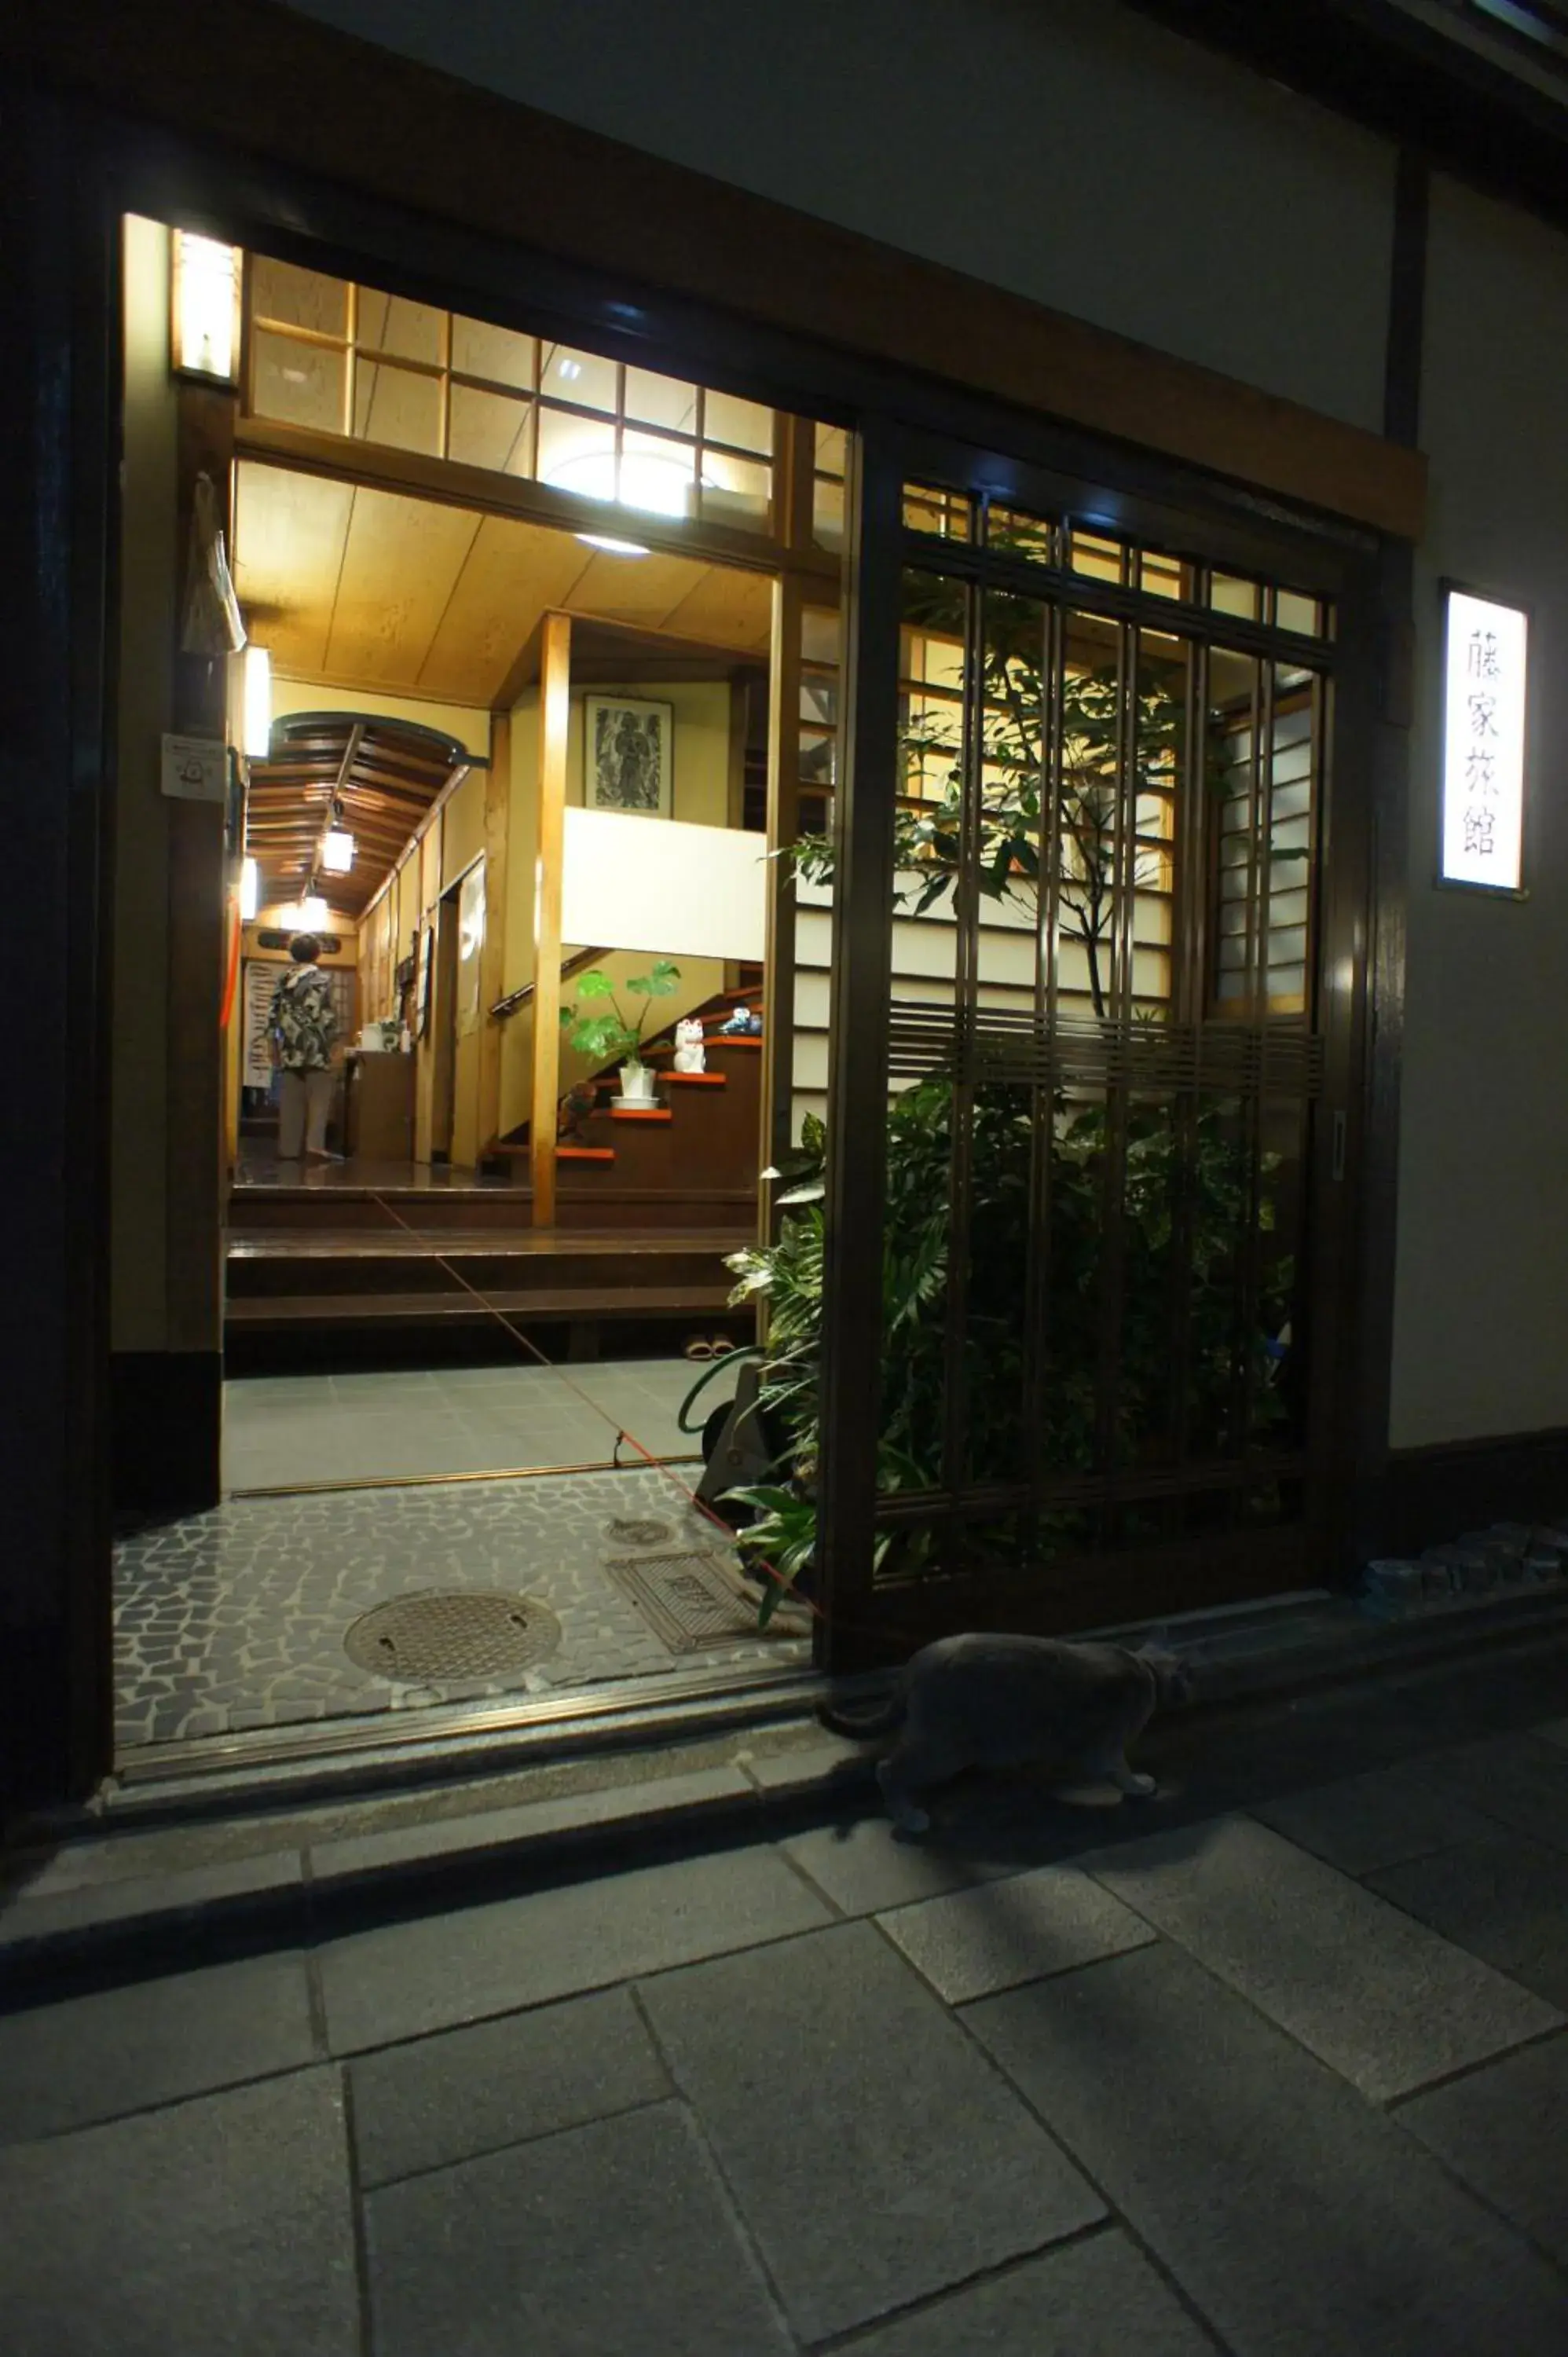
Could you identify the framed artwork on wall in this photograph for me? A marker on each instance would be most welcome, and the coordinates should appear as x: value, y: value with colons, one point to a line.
x: 628, y: 753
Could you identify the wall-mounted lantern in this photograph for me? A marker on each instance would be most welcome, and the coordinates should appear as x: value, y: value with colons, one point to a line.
x: 205, y: 324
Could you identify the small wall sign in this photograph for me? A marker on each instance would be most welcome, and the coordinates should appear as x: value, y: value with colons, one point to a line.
x: 196, y: 768
x: 1485, y: 653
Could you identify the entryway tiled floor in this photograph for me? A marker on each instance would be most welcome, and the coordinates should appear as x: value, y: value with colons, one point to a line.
x: 237, y: 1618
x: 281, y: 1431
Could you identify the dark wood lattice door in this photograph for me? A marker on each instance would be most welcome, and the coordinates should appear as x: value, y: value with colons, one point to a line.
x: 1092, y: 1073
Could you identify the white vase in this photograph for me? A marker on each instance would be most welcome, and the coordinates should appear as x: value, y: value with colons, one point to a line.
x: 637, y: 1085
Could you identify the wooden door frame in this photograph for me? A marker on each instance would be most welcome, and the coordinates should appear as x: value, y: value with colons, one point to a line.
x: 444, y: 1027
x: 59, y: 308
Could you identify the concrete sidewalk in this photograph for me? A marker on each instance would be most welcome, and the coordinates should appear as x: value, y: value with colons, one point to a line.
x: 1277, y: 2062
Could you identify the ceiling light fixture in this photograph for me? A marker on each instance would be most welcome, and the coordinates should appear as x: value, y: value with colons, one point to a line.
x: 256, y: 702
x: 250, y: 889
x: 336, y: 851
x: 613, y: 547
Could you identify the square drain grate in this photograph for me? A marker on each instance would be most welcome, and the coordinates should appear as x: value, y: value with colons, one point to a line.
x: 689, y: 1601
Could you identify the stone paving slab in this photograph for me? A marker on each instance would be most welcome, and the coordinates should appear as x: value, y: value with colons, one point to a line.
x: 615, y: 2238
x: 862, y: 1867
x: 402, y: 1979
x: 702, y: 1792
x: 91, y: 1910
x: 1504, y: 2131
x: 1301, y: 2220
x: 1375, y: 1994
x: 467, y: 2092
x: 93, y: 2056
x: 875, y: 2155
x: 219, y: 2224
x: 1363, y: 1823
x: 1099, y: 2297
x: 1515, y: 1779
x: 1554, y: 1731
x: 1502, y: 1898
x: 779, y: 1775
x: 969, y: 1944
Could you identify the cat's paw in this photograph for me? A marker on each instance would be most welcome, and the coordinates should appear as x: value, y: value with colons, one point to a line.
x: 1087, y: 1796
x: 907, y: 1817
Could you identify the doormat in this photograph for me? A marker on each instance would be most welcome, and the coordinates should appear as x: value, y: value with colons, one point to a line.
x: 434, y: 1639
x: 691, y: 1601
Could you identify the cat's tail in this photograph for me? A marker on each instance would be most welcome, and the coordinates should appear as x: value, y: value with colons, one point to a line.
x: 880, y: 1720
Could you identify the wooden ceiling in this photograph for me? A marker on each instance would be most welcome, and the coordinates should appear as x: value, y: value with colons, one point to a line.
x: 384, y: 773
x: 364, y: 589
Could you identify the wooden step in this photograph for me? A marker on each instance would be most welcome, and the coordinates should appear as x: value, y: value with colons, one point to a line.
x: 295, y: 1264
x: 541, y: 1304
x: 534, y: 1244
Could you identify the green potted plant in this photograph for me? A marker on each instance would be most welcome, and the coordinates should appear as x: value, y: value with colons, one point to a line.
x: 1201, y: 1178
x: 596, y: 1026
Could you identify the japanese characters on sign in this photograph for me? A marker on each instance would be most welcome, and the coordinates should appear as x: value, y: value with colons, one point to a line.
x: 1483, y: 742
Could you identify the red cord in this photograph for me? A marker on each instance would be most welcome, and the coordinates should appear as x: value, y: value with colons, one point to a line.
x: 654, y: 1464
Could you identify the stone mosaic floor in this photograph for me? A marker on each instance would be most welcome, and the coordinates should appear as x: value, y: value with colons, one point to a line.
x: 236, y: 1618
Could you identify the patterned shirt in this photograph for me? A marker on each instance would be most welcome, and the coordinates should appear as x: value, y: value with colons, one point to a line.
x: 303, y: 1019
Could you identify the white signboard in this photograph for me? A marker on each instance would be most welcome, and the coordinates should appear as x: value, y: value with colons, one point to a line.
x: 1486, y: 665
x: 675, y: 890
x: 196, y: 768
x: 261, y: 979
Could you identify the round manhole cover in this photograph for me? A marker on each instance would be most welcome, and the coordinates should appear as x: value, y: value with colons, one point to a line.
x: 638, y: 1533
x: 440, y: 1638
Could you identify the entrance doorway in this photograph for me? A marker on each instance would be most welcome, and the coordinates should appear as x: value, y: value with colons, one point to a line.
x: 1035, y: 1023
x: 456, y: 1359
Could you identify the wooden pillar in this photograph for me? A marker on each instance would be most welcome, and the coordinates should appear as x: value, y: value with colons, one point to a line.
x: 857, y: 1058
x: 554, y: 694
x: 778, y: 941
x: 492, y: 955
x: 794, y: 474
x: 197, y: 942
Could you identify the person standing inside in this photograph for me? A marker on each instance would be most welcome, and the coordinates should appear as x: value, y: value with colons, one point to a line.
x: 302, y: 1026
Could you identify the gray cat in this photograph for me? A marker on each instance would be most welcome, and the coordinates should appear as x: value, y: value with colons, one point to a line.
x: 994, y: 1701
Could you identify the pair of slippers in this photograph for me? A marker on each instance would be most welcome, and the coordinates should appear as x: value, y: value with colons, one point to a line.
x: 697, y: 1349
